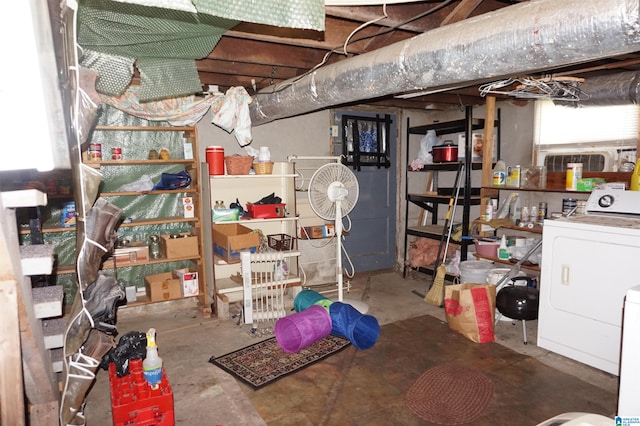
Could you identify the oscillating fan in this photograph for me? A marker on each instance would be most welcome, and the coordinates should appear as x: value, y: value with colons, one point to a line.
x: 333, y: 193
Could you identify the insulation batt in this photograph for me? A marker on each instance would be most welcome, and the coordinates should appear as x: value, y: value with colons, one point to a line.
x: 424, y: 252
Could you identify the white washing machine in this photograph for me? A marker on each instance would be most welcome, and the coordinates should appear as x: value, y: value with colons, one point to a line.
x: 589, y: 262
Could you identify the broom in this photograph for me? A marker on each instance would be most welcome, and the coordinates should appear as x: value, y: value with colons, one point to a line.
x: 435, y: 296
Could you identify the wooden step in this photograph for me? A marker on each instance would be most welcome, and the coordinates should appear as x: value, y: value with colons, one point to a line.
x: 23, y: 198
x: 47, y: 301
x: 57, y: 355
x: 37, y: 259
x: 53, y: 332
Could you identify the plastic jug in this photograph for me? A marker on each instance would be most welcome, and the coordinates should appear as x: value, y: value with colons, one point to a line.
x: 635, y: 178
x: 500, y: 173
x: 264, y: 156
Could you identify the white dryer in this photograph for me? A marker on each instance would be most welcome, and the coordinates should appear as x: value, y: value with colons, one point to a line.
x: 588, y: 264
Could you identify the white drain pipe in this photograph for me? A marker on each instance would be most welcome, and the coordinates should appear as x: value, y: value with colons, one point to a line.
x: 513, y: 41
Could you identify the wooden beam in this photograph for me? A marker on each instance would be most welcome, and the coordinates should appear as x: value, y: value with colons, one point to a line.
x: 11, y: 389
x: 462, y: 11
x: 45, y: 414
x: 259, y: 52
x: 487, y: 148
x: 34, y: 368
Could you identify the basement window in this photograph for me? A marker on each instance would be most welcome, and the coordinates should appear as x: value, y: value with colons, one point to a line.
x: 365, y: 141
x: 602, y: 138
x: 562, y: 125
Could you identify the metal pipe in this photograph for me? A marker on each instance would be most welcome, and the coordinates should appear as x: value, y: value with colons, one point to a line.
x: 515, y: 40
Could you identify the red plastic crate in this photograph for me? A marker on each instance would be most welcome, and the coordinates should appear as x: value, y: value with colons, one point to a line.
x: 266, y: 211
x: 134, y: 403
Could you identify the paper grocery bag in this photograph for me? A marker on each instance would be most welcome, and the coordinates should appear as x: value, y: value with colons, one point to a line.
x: 470, y: 310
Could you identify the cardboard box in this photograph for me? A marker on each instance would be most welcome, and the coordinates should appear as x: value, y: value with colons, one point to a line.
x: 188, y: 151
x: 188, y: 282
x: 589, y: 184
x: 162, y: 286
x: 183, y: 246
x: 130, y: 292
x: 229, y: 239
x: 136, y: 253
x: 316, y: 232
x: 68, y: 219
x: 188, y: 209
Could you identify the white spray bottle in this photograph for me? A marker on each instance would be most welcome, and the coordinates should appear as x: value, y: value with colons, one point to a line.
x: 152, y: 364
x: 503, y: 251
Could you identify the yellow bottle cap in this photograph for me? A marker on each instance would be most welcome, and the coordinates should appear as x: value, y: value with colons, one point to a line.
x: 151, y: 338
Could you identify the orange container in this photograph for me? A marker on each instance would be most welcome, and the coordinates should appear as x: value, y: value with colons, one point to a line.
x: 215, y: 159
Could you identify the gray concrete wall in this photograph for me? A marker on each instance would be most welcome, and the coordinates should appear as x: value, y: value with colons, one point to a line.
x: 308, y: 135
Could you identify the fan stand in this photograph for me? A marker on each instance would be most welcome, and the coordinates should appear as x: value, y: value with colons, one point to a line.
x: 336, y: 184
x: 359, y: 305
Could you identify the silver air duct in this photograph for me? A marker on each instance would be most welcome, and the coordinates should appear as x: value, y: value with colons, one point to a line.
x: 616, y: 89
x: 515, y: 40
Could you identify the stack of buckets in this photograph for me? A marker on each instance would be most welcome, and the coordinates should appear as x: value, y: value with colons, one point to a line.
x: 316, y: 317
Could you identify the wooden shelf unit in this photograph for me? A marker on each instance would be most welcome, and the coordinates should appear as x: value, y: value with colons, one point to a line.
x: 194, y: 191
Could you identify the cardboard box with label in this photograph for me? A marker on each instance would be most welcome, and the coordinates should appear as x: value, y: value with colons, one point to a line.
x: 68, y: 219
x: 317, y: 232
x: 164, y: 286
x: 232, y: 238
x: 188, y: 207
x: 181, y: 246
x: 136, y: 253
x: 188, y: 282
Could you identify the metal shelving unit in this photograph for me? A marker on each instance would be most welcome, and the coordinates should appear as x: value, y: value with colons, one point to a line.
x: 431, y: 201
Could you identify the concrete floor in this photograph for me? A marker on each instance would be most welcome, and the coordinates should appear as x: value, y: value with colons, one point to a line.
x: 532, y: 384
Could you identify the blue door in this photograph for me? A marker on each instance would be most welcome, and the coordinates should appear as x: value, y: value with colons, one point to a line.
x: 371, y: 241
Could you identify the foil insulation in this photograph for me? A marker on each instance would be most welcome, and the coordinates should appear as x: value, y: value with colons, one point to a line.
x: 616, y: 89
x: 524, y: 38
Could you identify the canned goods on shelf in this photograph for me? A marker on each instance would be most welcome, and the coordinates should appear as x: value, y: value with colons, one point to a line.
x: 569, y: 205
x: 95, y: 152
x: 116, y: 153
x: 542, y: 211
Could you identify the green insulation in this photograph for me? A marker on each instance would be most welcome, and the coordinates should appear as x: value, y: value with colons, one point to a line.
x: 164, y: 43
x: 135, y: 145
x: 307, y: 14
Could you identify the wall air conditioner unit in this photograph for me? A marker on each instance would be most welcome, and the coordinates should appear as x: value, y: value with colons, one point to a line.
x: 594, y: 159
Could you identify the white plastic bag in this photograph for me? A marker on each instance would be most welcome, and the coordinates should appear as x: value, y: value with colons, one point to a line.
x: 144, y: 183
x: 427, y: 143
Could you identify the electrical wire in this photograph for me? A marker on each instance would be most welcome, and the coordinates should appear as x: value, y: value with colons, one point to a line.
x: 550, y: 87
x: 366, y: 24
x: 283, y: 86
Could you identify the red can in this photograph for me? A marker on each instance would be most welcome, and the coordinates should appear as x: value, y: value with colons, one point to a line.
x: 116, y: 153
x: 95, y: 152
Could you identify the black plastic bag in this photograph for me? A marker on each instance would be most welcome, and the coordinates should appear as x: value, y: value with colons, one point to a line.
x: 132, y: 345
x: 269, y: 199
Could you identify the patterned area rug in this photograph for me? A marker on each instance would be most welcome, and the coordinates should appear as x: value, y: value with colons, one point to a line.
x: 450, y: 394
x: 265, y: 362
